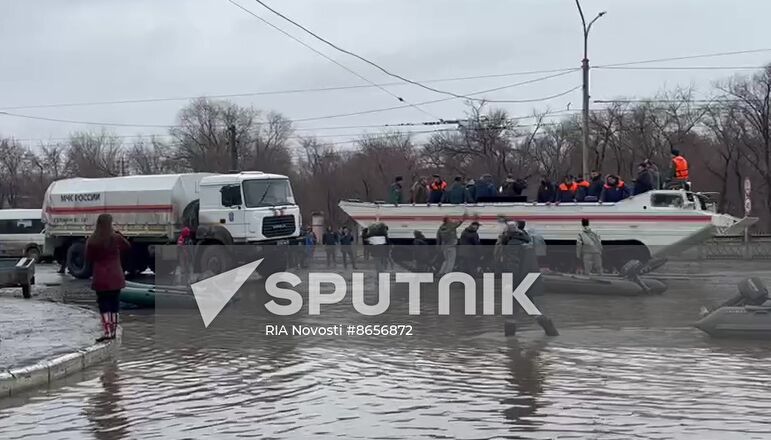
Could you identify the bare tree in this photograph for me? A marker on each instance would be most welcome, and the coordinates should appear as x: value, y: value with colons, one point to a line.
x: 12, y: 166
x: 151, y: 157
x: 95, y: 155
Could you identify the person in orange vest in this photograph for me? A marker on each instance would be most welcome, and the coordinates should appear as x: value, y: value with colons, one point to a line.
x: 436, y: 189
x: 614, y: 190
x: 679, y: 169
x: 583, y: 189
x: 567, y: 190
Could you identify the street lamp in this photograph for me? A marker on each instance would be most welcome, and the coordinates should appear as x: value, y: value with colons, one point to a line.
x: 585, y: 68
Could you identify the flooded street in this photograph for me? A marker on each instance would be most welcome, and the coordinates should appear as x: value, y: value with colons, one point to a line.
x: 621, y: 368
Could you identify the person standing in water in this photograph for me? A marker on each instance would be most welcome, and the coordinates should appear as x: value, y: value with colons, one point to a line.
x: 103, y: 251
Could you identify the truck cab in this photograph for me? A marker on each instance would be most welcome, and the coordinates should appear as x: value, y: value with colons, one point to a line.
x: 253, y: 208
x: 248, y: 207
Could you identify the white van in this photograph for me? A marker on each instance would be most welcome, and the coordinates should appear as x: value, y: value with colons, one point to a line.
x: 21, y: 233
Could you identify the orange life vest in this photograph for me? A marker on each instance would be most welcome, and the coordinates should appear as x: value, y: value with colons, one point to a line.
x: 438, y: 186
x: 619, y: 185
x: 572, y: 188
x: 681, y: 168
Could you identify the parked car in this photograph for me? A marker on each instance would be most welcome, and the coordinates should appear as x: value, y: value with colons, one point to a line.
x: 21, y: 233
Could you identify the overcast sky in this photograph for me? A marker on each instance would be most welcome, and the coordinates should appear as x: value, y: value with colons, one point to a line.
x: 57, y: 51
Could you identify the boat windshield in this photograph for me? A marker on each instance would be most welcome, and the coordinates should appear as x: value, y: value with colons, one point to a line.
x: 667, y: 200
x: 267, y: 192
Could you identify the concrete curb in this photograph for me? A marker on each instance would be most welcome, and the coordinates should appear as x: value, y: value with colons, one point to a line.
x: 41, y: 373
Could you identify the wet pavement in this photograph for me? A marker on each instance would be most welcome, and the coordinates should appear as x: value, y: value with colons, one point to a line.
x: 31, y: 331
x: 621, y: 368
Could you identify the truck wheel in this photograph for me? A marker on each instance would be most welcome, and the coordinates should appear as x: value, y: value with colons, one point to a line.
x: 76, y: 261
x: 216, y: 259
x: 33, y: 253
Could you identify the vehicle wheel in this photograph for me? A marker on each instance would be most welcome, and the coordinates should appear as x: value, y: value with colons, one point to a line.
x: 216, y: 259
x: 76, y: 261
x: 33, y: 253
x: 26, y: 291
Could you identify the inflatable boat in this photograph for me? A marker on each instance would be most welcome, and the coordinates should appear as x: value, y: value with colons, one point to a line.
x: 746, y: 315
x: 146, y: 296
x: 557, y: 283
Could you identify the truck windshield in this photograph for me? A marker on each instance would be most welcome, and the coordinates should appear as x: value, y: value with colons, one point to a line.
x: 266, y: 192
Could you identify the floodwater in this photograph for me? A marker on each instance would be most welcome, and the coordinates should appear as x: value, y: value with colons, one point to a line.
x: 621, y: 368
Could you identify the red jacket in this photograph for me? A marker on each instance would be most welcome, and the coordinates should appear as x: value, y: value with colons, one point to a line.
x: 106, y: 265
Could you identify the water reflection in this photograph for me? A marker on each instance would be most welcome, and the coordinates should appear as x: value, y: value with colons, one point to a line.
x: 105, y: 409
x: 527, y: 377
x: 622, y: 367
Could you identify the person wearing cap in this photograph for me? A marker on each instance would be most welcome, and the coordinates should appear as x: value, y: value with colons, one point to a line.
x: 644, y: 181
x: 614, y: 190
x: 512, y: 187
x: 468, y: 254
x: 395, y: 191
x: 456, y: 195
x: 419, y: 191
x: 595, y: 186
x: 589, y: 249
x: 679, y: 170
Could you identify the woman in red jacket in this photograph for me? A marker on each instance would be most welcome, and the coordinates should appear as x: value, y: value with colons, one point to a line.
x: 103, y: 251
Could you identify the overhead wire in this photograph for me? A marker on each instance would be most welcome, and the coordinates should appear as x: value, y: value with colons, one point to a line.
x: 381, y: 68
x: 317, y: 118
x: 325, y: 56
x: 681, y: 58
x: 357, y: 56
x: 435, y: 101
x: 277, y: 92
x: 679, y: 67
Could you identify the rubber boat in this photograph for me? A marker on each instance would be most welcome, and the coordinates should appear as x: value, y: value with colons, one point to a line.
x: 146, y: 295
x: 557, y: 283
x: 746, y: 315
x: 655, y: 219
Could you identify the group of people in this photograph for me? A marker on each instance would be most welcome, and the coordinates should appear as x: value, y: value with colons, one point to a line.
x: 518, y: 248
x: 597, y: 188
x: 330, y: 239
x: 437, y: 191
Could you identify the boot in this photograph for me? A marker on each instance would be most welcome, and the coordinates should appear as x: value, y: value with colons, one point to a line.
x: 105, y: 328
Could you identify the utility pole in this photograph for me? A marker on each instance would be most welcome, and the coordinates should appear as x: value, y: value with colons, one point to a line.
x: 585, y: 69
x: 233, y: 147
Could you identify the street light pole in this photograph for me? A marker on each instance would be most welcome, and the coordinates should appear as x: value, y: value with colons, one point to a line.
x: 585, y: 69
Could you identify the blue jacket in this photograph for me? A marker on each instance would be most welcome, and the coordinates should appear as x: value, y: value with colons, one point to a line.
x: 486, y: 188
x: 614, y: 194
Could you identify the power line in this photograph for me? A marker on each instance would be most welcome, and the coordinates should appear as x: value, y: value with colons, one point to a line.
x: 676, y: 101
x: 277, y: 92
x: 152, y: 136
x: 681, y: 58
x: 681, y: 67
x: 317, y: 118
x: 522, y: 101
x: 69, y: 121
x: 337, y: 63
x: 435, y: 101
x: 388, y: 72
x: 357, y: 56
